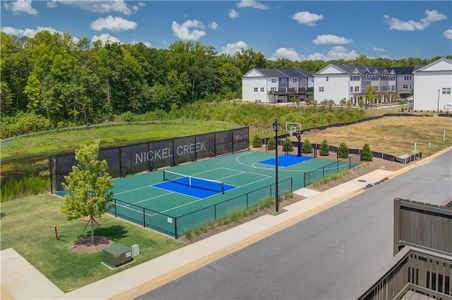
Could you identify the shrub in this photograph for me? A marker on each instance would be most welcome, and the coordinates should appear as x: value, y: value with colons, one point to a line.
x: 18, y: 188
x: 23, y: 123
x: 366, y: 153
x: 342, y: 151
x: 306, y: 147
x: 271, y: 144
x: 257, y: 141
x: 324, y: 149
x: 126, y: 117
x: 343, y: 102
x: 287, y: 145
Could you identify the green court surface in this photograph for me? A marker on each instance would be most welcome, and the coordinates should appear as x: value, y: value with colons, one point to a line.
x: 174, y: 213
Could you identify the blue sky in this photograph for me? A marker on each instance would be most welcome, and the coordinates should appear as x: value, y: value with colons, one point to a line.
x: 294, y: 30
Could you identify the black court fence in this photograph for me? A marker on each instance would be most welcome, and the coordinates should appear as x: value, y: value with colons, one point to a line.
x: 147, y: 156
x: 177, y: 226
x: 339, y: 165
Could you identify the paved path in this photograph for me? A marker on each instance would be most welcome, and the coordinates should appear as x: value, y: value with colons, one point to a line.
x: 332, y: 255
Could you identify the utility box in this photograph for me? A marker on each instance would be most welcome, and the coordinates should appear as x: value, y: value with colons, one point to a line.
x: 116, y: 255
x: 135, y: 250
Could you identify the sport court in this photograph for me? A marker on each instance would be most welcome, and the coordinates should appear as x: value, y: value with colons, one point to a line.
x: 180, y: 198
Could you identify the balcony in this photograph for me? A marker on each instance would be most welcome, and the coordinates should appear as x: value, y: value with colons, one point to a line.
x: 288, y: 92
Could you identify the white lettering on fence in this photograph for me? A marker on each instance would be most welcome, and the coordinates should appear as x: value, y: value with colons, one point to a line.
x: 166, y: 152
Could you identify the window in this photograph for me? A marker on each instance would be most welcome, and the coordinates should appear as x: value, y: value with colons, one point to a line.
x: 351, y: 89
x: 295, y: 79
x: 356, y: 88
x: 392, y: 88
x: 405, y: 86
x: 283, y: 80
x: 255, y: 89
x: 262, y: 89
x: 446, y: 91
x: 326, y: 78
x: 321, y: 89
x: 273, y: 89
x: 274, y: 80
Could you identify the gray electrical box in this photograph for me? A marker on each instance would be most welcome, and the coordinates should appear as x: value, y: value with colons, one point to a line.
x: 116, y: 255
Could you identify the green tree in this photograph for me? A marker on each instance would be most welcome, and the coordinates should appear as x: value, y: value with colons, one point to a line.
x: 343, y: 102
x: 342, y: 151
x: 361, y: 104
x: 324, y: 149
x: 287, y: 145
x: 88, y: 186
x: 371, y: 94
x: 257, y: 141
x: 6, y: 99
x: 366, y: 153
x: 271, y: 144
x: 306, y: 147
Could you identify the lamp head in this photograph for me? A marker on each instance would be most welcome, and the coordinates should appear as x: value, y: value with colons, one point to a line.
x: 275, y: 125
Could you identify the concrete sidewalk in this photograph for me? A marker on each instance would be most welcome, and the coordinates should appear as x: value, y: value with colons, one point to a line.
x: 161, y: 270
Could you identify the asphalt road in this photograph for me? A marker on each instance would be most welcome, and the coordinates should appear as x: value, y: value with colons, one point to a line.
x: 332, y: 255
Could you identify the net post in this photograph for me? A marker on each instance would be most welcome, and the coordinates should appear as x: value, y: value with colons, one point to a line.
x: 144, y: 217
x: 116, y: 212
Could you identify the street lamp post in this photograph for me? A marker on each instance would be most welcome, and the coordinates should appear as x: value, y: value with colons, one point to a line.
x: 275, y: 126
x: 298, y: 135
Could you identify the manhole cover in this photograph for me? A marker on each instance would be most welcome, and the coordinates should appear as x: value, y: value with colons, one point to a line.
x: 362, y: 180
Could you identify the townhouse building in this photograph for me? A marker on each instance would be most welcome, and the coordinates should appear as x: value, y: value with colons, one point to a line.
x: 275, y: 85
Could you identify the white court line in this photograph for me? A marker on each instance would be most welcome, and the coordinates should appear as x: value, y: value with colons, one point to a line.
x: 143, y: 187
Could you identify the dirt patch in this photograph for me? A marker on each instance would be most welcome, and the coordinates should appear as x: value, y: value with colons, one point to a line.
x: 84, y: 245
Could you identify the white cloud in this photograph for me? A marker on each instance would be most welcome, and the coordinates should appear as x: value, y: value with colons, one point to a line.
x: 31, y: 32
x: 378, y: 49
x: 233, y: 14
x: 213, y: 25
x: 337, y: 52
x: 331, y: 39
x: 147, y: 44
x: 189, y: 30
x: 431, y: 16
x: 288, y: 53
x: 105, y: 38
x: 252, y: 4
x: 21, y: 6
x: 307, y: 18
x: 232, y: 48
x: 112, y: 24
x: 117, y: 6
x: 448, y: 34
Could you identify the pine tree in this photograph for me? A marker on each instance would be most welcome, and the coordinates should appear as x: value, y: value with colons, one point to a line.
x: 306, y: 147
x: 257, y: 141
x: 287, y: 145
x: 342, y: 151
x: 366, y: 153
x: 324, y: 148
x: 271, y: 144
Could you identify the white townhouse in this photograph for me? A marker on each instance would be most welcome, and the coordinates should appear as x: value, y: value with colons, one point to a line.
x: 432, y: 86
x: 275, y: 85
x: 349, y: 82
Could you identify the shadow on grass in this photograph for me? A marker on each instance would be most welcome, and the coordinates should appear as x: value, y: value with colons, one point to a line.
x: 114, y: 232
x: 2, y: 214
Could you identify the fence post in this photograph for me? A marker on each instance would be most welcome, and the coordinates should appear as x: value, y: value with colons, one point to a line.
x: 349, y: 162
x: 291, y: 184
x: 323, y: 170
x: 271, y: 190
x: 215, y: 211
x: 116, y: 212
x: 304, y: 179
x: 51, y: 174
x: 144, y: 217
x: 246, y: 200
x: 175, y: 228
x: 337, y: 166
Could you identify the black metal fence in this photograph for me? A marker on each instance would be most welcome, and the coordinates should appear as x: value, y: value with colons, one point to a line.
x: 178, y: 225
x: 330, y: 169
x: 147, y: 156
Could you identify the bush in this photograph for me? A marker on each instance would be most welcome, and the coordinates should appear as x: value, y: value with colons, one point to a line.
x: 23, y: 123
x: 257, y: 141
x: 271, y: 144
x: 18, y: 188
x: 127, y: 116
x: 343, y: 102
x: 342, y: 151
x: 306, y: 147
x: 287, y: 145
x: 324, y: 149
x: 366, y: 153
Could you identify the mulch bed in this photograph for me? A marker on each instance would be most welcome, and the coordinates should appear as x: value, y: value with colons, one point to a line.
x: 84, y: 245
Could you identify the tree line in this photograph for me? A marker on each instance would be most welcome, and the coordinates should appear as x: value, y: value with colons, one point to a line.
x: 64, y: 79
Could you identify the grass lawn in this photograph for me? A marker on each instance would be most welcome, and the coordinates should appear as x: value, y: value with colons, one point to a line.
x: 27, y: 227
x: 394, y: 135
x: 68, y: 140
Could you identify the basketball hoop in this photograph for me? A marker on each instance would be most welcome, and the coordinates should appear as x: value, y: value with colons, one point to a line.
x: 292, y: 127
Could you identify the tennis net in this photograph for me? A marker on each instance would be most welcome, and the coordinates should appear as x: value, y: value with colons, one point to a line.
x: 196, y: 182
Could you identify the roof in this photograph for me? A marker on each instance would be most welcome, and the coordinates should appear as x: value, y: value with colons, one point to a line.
x: 404, y: 70
x: 284, y: 72
x: 361, y: 69
x: 422, y: 68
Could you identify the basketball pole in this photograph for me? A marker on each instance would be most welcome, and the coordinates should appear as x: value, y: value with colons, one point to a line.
x: 275, y: 126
